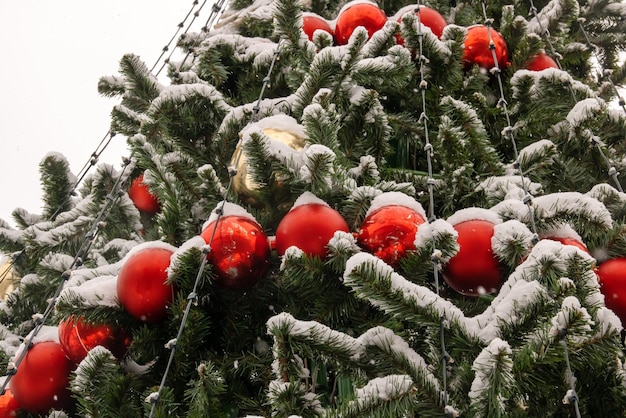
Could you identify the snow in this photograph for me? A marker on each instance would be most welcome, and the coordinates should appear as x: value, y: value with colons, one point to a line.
x: 571, y: 309
x: 541, y: 147
x: 383, y: 388
x: 310, y: 157
x: 583, y: 110
x: 9, y: 342
x: 227, y: 209
x: 507, y: 232
x: 367, y: 163
x: 148, y: 245
x: 435, y: 230
x: 99, y: 291
x: 560, y: 231
x: 45, y: 333
x: 342, y: 242
x: 308, y: 198
x: 395, y: 199
x: 82, y: 372
x: 491, y: 357
x: 474, y: 213
x: 572, y: 203
x: 278, y: 122
x: 194, y: 242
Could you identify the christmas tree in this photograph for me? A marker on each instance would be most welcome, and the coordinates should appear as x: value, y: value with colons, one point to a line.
x: 339, y: 209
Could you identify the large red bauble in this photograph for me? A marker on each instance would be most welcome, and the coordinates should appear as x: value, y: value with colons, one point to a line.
x: 429, y: 18
x: 539, y: 62
x: 239, y: 251
x: 141, y: 286
x: 141, y: 196
x: 389, y: 232
x: 42, y: 379
x: 78, y: 337
x: 612, y: 278
x: 309, y: 227
x: 477, y: 48
x: 474, y: 270
x: 312, y: 22
x: 368, y: 15
x: 8, y: 404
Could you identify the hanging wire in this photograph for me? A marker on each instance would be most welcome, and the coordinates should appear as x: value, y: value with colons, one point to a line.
x: 508, y: 131
x: 98, y: 223
x: 192, y: 298
x: 612, y: 171
x: 436, y: 254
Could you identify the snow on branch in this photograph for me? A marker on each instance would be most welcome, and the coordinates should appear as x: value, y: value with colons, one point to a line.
x: 493, y: 370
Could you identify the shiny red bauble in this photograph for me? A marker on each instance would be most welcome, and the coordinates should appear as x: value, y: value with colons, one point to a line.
x: 239, y: 251
x: 141, y: 286
x: 42, y: 379
x: 8, y: 405
x: 78, y: 337
x: 539, y: 62
x: 570, y: 241
x: 389, y: 232
x: 312, y: 22
x: 368, y: 15
x: 612, y: 278
x: 428, y: 17
x: 477, y: 51
x: 474, y: 270
x: 309, y: 227
x: 142, y: 198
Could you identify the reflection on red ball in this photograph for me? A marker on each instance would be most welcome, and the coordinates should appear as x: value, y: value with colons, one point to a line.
x: 474, y: 270
x: 309, y: 227
x: 612, y: 278
x: 141, y: 286
x: 142, y: 198
x: 477, y: 49
x: 368, y: 15
x: 78, y: 337
x: 8, y: 405
x: 428, y: 17
x: 239, y: 251
x: 312, y: 22
x: 539, y: 62
x: 42, y: 379
x: 389, y: 232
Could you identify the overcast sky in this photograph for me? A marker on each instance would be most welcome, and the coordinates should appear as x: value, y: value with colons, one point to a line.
x: 53, y: 53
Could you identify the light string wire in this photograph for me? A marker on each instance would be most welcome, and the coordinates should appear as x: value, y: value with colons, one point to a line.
x: 40, y: 319
x: 612, y: 171
x: 571, y: 397
x: 192, y: 298
x: 436, y: 254
x: 106, y: 140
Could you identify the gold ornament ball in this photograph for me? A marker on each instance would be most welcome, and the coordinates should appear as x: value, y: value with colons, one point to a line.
x: 7, y: 279
x: 243, y: 183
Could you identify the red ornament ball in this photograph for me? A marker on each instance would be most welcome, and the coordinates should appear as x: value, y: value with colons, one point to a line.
x: 78, y: 337
x: 309, y: 227
x: 612, y: 278
x: 239, y: 251
x: 141, y: 286
x: 142, y: 198
x: 539, y: 62
x: 428, y: 17
x: 474, y: 270
x: 389, y: 232
x: 368, y: 15
x: 42, y: 379
x: 570, y: 241
x: 8, y: 404
x: 312, y: 22
x: 477, y: 49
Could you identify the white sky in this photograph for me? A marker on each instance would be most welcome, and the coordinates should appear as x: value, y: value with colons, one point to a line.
x: 53, y: 53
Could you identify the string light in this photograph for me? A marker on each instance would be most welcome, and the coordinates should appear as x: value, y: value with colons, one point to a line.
x: 571, y: 397
x: 153, y: 398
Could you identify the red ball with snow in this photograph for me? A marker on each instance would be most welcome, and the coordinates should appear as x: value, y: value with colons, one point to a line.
x: 389, y: 232
x: 368, y: 15
x: 8, y: 404
x: 570, y: 241
x: 477, y: 51
x: 540, y: 62
x: 312, y: 22
x: 239, y: 251
x: 612, y: 278
x: 474, y: 270
x: 309, y: 227
x: 428, y: 17
x: 42, y: 379
x: 141, y: 284
x: 142, y: 198
x: 78, y: 337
